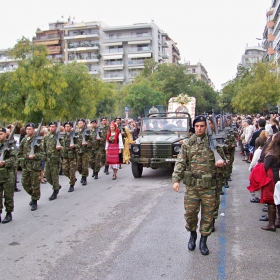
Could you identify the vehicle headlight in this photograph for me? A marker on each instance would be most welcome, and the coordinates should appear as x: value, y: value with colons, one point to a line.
x: 135, y: 149
x: 177, y: 149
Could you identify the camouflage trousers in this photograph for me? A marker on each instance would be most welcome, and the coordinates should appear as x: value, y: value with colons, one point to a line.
x: 103, y: 157
x: 7, y: 190
x: 30, y: 180
x: 220, y: 184
x: 52, y: 174
x: 83, y: 161
x: 231, y: 159
x: 94, y: 160
x: 195, y: 198
x: 69, y: 168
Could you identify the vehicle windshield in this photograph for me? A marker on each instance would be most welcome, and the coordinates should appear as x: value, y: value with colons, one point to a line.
x: 165, y: 124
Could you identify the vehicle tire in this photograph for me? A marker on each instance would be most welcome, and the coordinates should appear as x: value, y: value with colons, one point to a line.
x: 137, y: 169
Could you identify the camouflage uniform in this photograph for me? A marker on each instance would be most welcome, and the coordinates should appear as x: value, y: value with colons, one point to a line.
x: 104, y: 131
x: 69, y: 158
x: 83, y: 152
x: 196, y: 164
x: 31, y: 168
x: 7, y: 177
x: 95, y: 152
x: 52, y: 158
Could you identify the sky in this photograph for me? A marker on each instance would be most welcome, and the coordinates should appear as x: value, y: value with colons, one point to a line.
x: 213, y: 32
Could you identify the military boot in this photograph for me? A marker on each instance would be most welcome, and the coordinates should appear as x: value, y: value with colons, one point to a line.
x: 96, y: 175
x: 93, y: 174
x: 71, y: 188
x: 54, y: 195
x: 107, y: 169
x: 191, y: 244
x: 34, y: 205
x: 8, y: 218
x: 271, y: 218
x: 84, y: 182
x: 203, y: 246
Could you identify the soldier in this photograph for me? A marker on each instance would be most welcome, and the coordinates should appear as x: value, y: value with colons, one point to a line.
x: 7, y: 168
x: 31, y: 165
x: 69, y: 155
x: 84, y: 145
x: 104, y: 130
x: 52, y: 156
x: 95, y: 153
x: 196, y: 165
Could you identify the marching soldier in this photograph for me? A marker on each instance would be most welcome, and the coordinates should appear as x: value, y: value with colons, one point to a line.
x: 52, y: 156
x: 7, y: 177
x: 31, y: 164
x: 84, y: 145
x: 196, y: 165
x: 104, y: 130
x: 94, y: 161
x: 69, y: 154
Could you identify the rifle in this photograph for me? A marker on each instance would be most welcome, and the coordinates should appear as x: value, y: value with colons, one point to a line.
x: 98, y: 130
x: 219, y: 136
x: 10, y: 140
x: 73, y: 133
x: 212, y: 141
x: 84, y: 132
x: 58, y: 134
x: 36, y: 138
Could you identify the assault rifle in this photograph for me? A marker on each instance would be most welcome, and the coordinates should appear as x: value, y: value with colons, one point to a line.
x: 98, y: 130
x: 36, y: 138
x: 73, y: 133
x: 58, y: 134
x: 85, y: 131
x: 219, y: 136
x: 212, y: 141
x: 10, y: 140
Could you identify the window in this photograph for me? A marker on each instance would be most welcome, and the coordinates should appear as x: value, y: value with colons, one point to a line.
x: 111, y: 49
x: 119, y: 35
x: 193, y: 70
x: 111, y: 36
x: 141, y: 34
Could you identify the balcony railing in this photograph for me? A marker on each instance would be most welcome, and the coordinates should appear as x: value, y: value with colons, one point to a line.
x: 46, y: 37
x: 108, y: 62
x: 114, y: 75
x: 276, y: 8
x: 81, y: 45
x: 83, y: 57
x: 128, y: 36
x: 136, y: 61
x: 113, y: 51
x: 276, y: 40
x: 140, y: 49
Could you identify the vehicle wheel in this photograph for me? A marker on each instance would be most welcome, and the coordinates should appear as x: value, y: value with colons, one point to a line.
x: 137, y: 169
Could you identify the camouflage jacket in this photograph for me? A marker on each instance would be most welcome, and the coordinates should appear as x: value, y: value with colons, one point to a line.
x: 193, y: 157
x: 25, y: 149
x: 95, y: 143
x: 65, y: 143
x: 49, y: 143
x: 9, y: 155
x: 80, y: 148
x: 103, y: 134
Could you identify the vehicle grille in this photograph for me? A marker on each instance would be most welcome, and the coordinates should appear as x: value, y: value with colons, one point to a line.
x: 155, y: 150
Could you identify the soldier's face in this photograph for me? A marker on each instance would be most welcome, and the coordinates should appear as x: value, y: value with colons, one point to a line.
x: 211, y: 125
x: 52, y: 129
x: 200, y: 128
x: 29, y: 131
x: 104, y: 121
x: 81, y: 124
x: 67, y: 128
x: 118, y: 121
x: 2, y: 136
x: 93, y: 125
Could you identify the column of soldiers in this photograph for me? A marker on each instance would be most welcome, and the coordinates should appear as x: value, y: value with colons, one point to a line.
x: 204, y: 175
x: 76, y: 150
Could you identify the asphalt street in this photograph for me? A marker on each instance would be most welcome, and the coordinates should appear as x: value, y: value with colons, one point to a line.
x: 134, y: 229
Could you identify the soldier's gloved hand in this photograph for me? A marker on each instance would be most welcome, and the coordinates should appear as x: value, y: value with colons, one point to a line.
x: 176, y: 186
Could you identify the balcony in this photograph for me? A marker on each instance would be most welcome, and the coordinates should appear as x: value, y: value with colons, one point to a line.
x: 135, y: 38
x: 94, y: 72
x: 82, y: 47
x: 134, y: 62
x: 132, y: 75
x: 165, y: 45
x: 113, y: 65
x: 78, y: 36
x: 140, y: 49
x: 165, y: 56
x: 276, y: 41
x: 47, y: 37
x: 276, y: 9
x: 112, y: 52
x: 114, y: 77
x: 276, y: 27
x: 83, y: 59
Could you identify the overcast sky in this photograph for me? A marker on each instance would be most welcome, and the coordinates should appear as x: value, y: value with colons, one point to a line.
x: 213, y: 32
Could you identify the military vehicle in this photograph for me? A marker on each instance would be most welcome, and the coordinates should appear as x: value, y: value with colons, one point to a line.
x: 159, y: 141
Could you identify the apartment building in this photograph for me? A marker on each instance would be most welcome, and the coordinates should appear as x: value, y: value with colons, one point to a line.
x: 52, y: 39
x: 251, y: 55
x: 124, y: 49
x: 6, y: 62
x: 200, y: 73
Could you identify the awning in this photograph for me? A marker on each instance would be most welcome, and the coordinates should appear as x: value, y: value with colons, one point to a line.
x: 53, y: 42
x: 140, y: 55
x: 139, y: 42
x: 108, y: 57
x: 136, y: 67
x: 112, y: 44
x: 53, y: 49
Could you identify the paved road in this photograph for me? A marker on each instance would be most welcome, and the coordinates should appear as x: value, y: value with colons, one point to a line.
x: 134, y: 229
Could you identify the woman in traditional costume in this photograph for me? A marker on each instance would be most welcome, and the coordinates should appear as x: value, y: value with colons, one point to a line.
x: 114, y: 146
